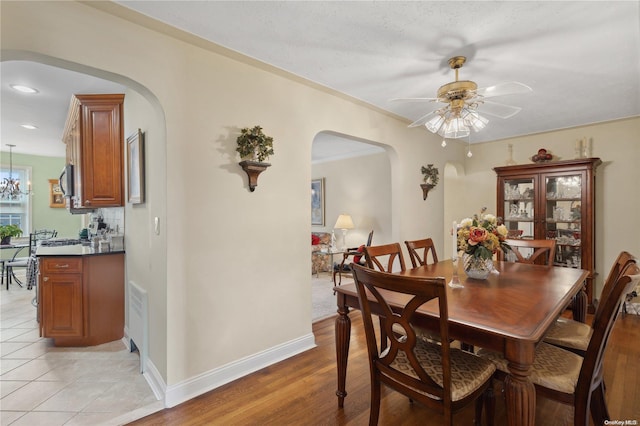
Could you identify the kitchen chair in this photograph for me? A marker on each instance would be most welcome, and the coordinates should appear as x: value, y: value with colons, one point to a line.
x: 23, y: 262
x: 567, y: 377
x: 575, y: 335
x: 541, y: 252
x: 358, y: 255
x: 414, y: 247
x: 442, y: 378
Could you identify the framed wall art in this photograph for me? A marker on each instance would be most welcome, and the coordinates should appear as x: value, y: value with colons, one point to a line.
x: 56, y: 197
x: 135, y: 168
x: 317, y: 202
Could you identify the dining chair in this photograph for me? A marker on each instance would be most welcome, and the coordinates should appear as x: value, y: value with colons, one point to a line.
x: 358, y: 255
x: 575, y: 335
x: 569, y: 378
x: 541, y: 252
x: 443, y: 378
x: 376, y: 255
x: 414, y: 251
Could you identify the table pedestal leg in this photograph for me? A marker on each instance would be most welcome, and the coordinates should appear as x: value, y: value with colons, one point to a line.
x: 580, y: 306
x: 343, y: 335
x: 520, y: 396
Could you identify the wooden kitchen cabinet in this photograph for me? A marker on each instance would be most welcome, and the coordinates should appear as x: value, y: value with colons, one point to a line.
x: 95, y: 147
x: 554, y: 200
x: 61, y: 297
x: 81, y: 298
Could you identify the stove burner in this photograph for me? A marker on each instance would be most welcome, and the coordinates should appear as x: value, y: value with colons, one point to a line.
x: 60, y: 242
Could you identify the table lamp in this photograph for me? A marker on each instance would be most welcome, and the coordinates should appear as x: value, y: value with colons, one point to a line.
x: 345, y: 223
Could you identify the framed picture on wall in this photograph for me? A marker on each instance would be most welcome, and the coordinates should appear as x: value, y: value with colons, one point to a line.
x: 317, y: 202
x: 135, y: 168
x: 56, y: 197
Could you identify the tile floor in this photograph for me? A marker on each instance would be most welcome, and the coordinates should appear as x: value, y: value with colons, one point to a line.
x: 44, y: 385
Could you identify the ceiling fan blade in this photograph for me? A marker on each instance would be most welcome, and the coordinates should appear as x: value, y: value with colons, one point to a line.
x: 422, y: 120
x: 501, y: 89
x: 498, y: 110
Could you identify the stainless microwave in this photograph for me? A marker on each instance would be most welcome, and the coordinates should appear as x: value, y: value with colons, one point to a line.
x: 66, y: 181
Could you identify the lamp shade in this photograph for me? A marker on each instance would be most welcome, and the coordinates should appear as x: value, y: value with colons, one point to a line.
x: 344, y: 222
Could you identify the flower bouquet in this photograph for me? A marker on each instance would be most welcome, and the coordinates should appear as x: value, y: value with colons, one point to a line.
x: 479, y: 238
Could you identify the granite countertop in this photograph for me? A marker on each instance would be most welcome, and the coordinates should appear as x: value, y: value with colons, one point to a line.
x: 73, y: 250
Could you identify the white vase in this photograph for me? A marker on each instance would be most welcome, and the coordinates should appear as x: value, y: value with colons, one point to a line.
x: 476, y: 267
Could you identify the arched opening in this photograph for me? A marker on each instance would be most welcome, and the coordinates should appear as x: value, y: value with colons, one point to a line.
x: 146, y: 251
x: 356, y: 180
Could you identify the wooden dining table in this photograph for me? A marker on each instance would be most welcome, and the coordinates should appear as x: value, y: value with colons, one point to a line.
x: 509, y: 312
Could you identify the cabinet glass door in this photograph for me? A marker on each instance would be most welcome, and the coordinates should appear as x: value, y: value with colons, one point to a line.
x: 564, y: 218
x: 519, y: 207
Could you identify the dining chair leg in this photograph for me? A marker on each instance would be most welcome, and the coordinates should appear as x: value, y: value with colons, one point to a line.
x: 490, y: 403
x: 598, y: 406
x: 477, y: 420
x: 374, y: 411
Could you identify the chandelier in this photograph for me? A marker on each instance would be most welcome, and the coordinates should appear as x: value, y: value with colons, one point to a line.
x: 10, y: 187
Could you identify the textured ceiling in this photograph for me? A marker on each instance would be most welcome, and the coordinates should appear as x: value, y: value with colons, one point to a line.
x: 582, y: 59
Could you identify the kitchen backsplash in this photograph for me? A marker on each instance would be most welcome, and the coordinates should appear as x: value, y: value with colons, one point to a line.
x: 113, y: 217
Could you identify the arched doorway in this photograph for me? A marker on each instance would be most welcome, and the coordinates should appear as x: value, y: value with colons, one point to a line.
x: 357, y: 181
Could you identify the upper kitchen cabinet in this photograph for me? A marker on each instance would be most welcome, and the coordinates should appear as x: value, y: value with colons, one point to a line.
x: 95, y: 147
x: 555, y: 201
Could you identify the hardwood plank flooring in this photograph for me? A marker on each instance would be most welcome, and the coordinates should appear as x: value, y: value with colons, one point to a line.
x: 301, y: 390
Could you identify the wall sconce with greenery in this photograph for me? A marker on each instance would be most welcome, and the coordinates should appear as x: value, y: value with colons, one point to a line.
x: 430, y: 179
x: 255, y: 147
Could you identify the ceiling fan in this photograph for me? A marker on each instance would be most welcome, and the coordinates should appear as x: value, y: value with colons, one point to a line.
x: 462, y: 99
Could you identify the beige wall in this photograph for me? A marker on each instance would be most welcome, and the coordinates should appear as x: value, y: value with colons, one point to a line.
x: 361, y: 187
x: 226, y: 274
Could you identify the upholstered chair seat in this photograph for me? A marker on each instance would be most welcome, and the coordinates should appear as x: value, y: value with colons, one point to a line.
x: 553, y: 367
x: 468, y: 371
x: 569, y: 334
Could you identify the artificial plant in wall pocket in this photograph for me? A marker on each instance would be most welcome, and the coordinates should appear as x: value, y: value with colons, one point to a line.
x: 254, y: 147
x: 429, y: 178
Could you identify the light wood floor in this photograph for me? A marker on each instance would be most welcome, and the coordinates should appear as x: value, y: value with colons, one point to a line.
x: 301, y: 390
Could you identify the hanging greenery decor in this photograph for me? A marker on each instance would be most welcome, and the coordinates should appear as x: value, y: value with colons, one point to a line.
x: 253, y: 142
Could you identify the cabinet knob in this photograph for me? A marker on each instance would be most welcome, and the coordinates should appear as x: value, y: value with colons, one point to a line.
x: 45, y: 278
x: 86, y: 202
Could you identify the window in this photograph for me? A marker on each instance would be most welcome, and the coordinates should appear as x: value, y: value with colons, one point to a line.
x: 16, y: 211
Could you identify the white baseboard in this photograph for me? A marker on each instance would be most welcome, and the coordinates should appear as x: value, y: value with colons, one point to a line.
x: 187, y: 389
x: 190, y: 388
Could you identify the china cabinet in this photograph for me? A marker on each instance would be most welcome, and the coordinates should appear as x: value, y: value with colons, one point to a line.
x: 553, y: 200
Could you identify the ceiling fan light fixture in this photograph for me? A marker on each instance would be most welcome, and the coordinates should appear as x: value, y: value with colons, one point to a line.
x: 435, y: 123
x: 473, y: 119
x: 455, y: 128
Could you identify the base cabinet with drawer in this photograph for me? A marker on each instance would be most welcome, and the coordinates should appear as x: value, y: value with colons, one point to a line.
x: 81, y: 299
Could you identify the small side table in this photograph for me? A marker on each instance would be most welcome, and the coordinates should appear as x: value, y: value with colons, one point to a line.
x: 345, y: 256
x: 330, y: 253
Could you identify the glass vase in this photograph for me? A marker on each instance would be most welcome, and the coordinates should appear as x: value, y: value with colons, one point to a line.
x: 476, y: 267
